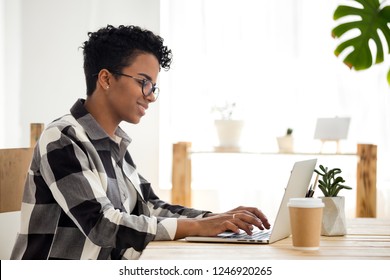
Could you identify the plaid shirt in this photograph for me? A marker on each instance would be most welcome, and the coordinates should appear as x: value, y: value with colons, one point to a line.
x: 77, y: 197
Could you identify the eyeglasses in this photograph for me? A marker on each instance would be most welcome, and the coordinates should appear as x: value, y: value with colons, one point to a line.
x: 148, y: 87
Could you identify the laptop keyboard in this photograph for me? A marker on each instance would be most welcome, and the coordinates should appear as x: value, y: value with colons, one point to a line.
x: 257, y: 235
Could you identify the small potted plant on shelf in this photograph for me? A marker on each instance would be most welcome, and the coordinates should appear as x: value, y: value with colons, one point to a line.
x: 228, y: 128
x: 331, y: 183
x: 286, y: 142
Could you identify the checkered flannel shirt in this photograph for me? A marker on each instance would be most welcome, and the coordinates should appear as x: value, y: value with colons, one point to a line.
x: 76, y: 202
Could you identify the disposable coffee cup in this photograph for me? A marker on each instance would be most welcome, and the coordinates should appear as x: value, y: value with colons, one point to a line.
x: 305, y: 222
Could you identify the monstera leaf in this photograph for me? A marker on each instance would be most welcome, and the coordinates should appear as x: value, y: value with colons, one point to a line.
x: 375, y: 17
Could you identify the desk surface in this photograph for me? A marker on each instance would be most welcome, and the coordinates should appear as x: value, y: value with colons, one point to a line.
x: 367, y: 238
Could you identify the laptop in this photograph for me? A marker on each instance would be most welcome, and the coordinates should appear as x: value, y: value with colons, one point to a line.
x: 297, y: 186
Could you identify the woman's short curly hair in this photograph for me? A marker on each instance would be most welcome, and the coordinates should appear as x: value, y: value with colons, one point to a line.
x: 114, y: 48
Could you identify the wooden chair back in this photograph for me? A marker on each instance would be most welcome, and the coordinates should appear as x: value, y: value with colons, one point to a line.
x: 14, y: 165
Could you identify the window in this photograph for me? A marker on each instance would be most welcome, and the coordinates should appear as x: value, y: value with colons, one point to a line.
x: 275, y: 60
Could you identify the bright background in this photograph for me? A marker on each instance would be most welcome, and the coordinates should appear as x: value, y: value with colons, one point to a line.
x: 274, y: 58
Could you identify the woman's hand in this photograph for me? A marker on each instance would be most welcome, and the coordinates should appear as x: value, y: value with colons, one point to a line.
x: 244, y: 218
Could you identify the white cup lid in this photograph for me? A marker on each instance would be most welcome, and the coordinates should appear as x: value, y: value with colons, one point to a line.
x: 305, y: 202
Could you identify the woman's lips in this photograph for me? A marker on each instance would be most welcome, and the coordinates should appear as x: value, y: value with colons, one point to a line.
x: 142, y: 109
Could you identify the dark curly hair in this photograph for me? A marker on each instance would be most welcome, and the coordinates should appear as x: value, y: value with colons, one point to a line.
x: 114, y: 48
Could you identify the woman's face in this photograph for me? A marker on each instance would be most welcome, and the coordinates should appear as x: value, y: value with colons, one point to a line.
x: 125, y: 98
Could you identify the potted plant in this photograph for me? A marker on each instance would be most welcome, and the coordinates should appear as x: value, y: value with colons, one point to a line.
x: 368, y: 17
x: 228, y: 128
x: 331, y: 183
x: 286, y: 142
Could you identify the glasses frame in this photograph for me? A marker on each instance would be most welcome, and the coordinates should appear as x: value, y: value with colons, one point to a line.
x: 154, y: 89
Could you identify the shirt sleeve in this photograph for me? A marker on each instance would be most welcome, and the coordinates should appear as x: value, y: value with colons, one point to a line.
x: 165, y: 212
x: 162, y: 208
x: 170, y: 226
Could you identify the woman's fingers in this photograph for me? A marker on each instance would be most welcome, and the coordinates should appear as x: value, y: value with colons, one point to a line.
x: 244, y: 218
x: 258, y: 217
x: 246, y: 221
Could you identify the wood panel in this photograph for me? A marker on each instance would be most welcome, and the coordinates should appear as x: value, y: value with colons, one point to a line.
x: 35, y: 131
x: 181, y: 174
x: 14, y: 166
x: 366, y: 181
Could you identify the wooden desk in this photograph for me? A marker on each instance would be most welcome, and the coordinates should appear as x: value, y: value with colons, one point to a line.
x: 367, y: 238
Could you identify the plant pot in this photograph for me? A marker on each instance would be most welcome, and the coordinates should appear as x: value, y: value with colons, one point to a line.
x: 229, y: 132
x: 286, y: 144
x: 333, y: 217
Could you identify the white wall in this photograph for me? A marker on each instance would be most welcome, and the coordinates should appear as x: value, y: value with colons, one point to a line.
x: 1, y: 68
x: 42, y: 74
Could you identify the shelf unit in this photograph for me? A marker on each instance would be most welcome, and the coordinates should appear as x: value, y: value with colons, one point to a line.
x: 365, y: 173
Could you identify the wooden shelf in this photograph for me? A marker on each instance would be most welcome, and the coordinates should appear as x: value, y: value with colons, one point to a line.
x: 366, y: 172
x: 218, y: 150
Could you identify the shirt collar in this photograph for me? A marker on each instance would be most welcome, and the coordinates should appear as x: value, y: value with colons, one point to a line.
x: 92, y: 127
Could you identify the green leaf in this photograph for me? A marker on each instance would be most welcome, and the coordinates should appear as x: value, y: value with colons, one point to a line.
x: 330, y: 182
x: 373, y: 18
x: 340, y: 188
x: 324, y: 191
x: 337, y: 181
x: 337, y: 171
x: 323, y: 168
x: 388, y: 77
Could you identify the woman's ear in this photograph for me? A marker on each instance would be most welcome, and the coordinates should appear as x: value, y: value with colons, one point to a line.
x: 104, y: 79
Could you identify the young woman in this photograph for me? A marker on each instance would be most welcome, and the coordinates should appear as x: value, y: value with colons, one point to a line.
x: 84, y: 198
